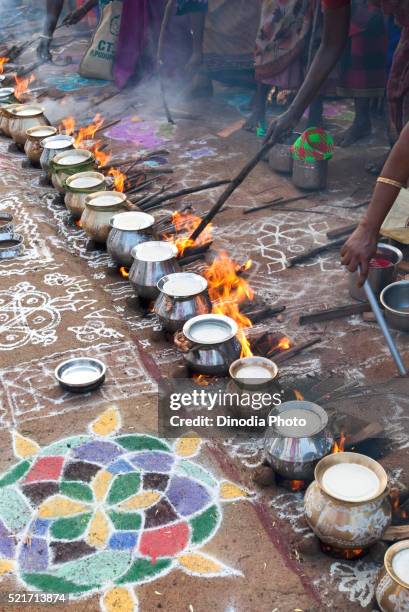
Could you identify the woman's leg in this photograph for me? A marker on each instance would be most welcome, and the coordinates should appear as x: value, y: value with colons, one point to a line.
x: 53, y: 12
x: 361, y: 126
x: 259, y: 113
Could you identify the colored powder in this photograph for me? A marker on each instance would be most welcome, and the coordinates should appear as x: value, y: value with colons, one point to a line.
x: 379, y: 262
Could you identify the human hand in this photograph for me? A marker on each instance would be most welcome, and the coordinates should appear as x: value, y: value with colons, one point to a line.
x: 283, y: 124
x: 359, y: 250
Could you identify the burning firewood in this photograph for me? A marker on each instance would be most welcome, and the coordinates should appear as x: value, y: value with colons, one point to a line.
x: 156, y: 203
x: 286, y: 355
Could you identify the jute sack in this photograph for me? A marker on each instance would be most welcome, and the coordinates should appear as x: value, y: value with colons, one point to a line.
x: 98, y: 61
x: 396, y: 224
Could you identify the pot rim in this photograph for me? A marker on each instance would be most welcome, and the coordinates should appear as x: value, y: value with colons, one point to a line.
x: 306, y: 405
x: 162, y: 281
x: 6, y: 110
x: 349, y: 457
x: 104, y: 207
x: 73, y: 177
x: 50, y: 139
x: 172, y: 251
x: 388, y: 560
x: 10, y: 236
x: 270, y: 365
x: 87, y: 157
x: 37, y: 110
x: 6, y: 92
x: 30, y: 131
x: 388, y: 308
x: 59, y: 369
x: 142, y: 216
x: 212, y: 317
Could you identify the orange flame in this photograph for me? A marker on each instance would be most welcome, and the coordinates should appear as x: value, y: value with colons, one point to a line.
x: 78, y: 223
x: 68, y: 126
x: 246, y: 266
x: 349, y: 554
x: 284, y: 344
x: 124, y: 272
x: 227, y: 292
x: 201, y: 379
x: 101, y: 157
x: 185, y: 223
x: 88, y: 132
x: 21, y: 85
x: 339, y: 447
x: 3, y: 60
x: 297, y: 485
x: 298, y: 395
x: 119, y: 179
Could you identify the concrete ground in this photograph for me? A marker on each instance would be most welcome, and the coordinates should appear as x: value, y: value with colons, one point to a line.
x: 216, y: 540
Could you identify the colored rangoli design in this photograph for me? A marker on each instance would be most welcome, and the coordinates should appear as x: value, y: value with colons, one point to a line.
x: 105, y: 513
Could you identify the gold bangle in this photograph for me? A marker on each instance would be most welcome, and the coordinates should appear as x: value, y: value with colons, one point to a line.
x: 391, y: 182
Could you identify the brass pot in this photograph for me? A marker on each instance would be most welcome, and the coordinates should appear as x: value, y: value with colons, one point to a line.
x: 78, y: 187
x: 35, y: 135
x: 67, y: 163
x: 5, y: 118
x: 345, y: 524
x: 100, y: 207
x: 25, y: 116
x: 392, y: 592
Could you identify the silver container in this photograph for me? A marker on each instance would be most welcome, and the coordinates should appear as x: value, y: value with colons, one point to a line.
x: 182, y: 296
x: 151, y: 261
x: 395, y: 300
x: 11, y: 245
x: 68, y: 163
x: 7, y: 96
x: 128, y: 230
x: 378, y: 278
x: 80, y: 374
x: 6, y: 223
x: 280, y: 158
x: 213, y: 344
x: 78, y: 187
x: 52, y: 146
x: 310, y: 176
x: 294, y: 451
x: 250, y: 378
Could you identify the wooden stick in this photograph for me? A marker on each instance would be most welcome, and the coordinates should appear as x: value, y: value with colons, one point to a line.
x: 182, y: 192
x: 165, y: 22
x: 231, y: 188
x: 264, y: 313
x: 395, y: 534
x: 293, y: 352
x: 341, y: 231
x: 334, y: 313
x: 309, y: 254
x: 184, y: 261
x: 108, y: 125
x: 278, y: 200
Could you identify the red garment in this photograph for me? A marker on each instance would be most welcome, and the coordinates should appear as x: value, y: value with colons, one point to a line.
x: 335, y: 4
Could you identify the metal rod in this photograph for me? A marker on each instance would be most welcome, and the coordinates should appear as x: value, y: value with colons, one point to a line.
x: 384, y: 328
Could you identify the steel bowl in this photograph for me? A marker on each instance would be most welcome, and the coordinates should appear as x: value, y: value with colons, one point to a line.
x: 280, y: 158
x: 213, y: 344
x: 151, y: 261
x: 128, y: 230
x: 392, y: 592
x: 344, y: 524
x: 183, y: 295
x: 80, y: 374
x: 7, y: 96
x: 6, y: 223
x: 395, y: 300
x: 310, y: 176
x: 293, y: 452
x: 378, y: 278
x: 11, y: 245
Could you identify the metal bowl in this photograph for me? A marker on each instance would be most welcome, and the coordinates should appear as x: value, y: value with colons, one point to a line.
x: 80, y: 374
x: 378, y: 278
x: 395, y: 300
x: 248, y: 372
x: 11, y: 245
x: 294, y: 451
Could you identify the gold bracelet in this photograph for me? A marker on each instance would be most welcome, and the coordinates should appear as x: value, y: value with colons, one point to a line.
x: 391, y: 182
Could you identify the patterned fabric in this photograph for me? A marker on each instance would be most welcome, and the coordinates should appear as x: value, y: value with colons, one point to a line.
x: 398, y: 85
x: 334, y: 4
x: 363, y: 66
x: 398, y: 8
x: 283, y: 35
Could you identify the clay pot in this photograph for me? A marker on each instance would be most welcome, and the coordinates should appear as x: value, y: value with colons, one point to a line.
x: 5, y: 118
x: 343, y: 524
x: 78, y: 187
x: 68, y: 163
x: 392, y: 592
x: 35, y: 135
x: 100, y: 207
x: 25, y: 116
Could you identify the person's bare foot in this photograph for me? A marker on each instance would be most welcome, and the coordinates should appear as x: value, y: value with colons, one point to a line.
x: 355, y: 132
x: 254, y: 120
x: 375, y: 167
